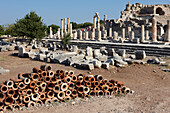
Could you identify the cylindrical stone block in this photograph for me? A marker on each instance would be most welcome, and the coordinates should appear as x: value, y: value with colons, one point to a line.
x: 110, y: 32
x: 154, y: 30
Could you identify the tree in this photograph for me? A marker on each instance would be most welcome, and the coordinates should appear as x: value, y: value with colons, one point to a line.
x: 30, y: 26
x: 82, y: 25
x: 65, y: 40
x: 2, y: 30
x: 54, y: 28
x: 74, y: 25
x: 87, y: 24
x: 101, y: 22
x: 10, y: 30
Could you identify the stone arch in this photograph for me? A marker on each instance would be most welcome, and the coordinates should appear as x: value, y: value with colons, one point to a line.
x: 160, y: 11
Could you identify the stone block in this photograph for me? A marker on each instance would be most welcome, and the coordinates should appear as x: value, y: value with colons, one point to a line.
x: 140, y: 54
x: 97, y: 64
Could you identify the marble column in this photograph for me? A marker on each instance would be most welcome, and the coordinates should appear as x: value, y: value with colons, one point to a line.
x: 80, y: 35
x: 154, y: 30
x: 132, y: 36
x: 94, y: 22
x: 86, y: 35
x: 65, y: 25
x: 129, y: 30
x: 61, y: 27
x: 147, y: 35
x: 123, y: 34
x: 68, y: 23
x: 98, y: 24
x: 99, y: 36
x: 110, y: 32
x: 161, y: 31
x: 51, y: 32
x: 115, y: 35
x: 168, y: 31
x: 105, y: 18
x: 142, y: 33
x: 92, y: 35
x: 70, y: 30
x: 75, y: 35
x: 58, y: 33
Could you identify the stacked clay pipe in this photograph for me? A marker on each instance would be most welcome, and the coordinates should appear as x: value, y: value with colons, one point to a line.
x: 44, y: 86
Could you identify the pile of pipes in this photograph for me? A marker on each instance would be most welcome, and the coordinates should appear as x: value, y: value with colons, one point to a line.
x: 44, y: 86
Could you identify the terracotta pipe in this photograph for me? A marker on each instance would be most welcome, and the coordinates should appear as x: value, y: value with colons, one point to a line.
x: 80, y: 89
x: 114, y: 82
x: 47, y: 101
x: 16, y: 80
x: 2, y: 96
x: 8, y: 100
x: 74, y: 93
x: 61, y: 72
x: 123, y: 88
x: 61, y: 95
x: 47, y: 79
x: 21, y: 85
x: 80, y: 78
x: 59, y: 82
x: 99, y: 77
x: 64, y: 86
x: 27, y: 81
x: 35, y: 96
x: 8, y: 107
x: 71, y: 72
x: 43, y: 85
x: 67, y: 98
x: 50, y: 94
x: 38, y: 102
x: 96, y: 83
x: 44, y: 73
x: 38, y: 83
x: 31, y: 104
x: 120, y: 84
x: 78, y: 83
x: 35, y: 77
x: 67, y: 79
x: 88, y: 84
x: 1, y: 105
x: 29, y: 92
x: 71, y: 86
x: 36, y: 90
x: 92, y: 79
x: 68, y: 92
x: 45, y: 67
x: 42, y: 96
x: 26, y: 99
x: 86, y: 90
x: 74, y: 78
x: 56, y: 89
x: 54, y: 99
x: 96, y: 88
x: 127, y: 90
x: 36, y: 70
x: 54, y: 80
x: 106, y: 93
x: 86, y: 79
x: 10, y: 92
x: 100, y: 93
x: 10, y: 83
x: 50, y: 74
x: 32, y: 84
x: 81, y: 74
x: 66, y: 73
x: 4, y: 88
x: 92, y: 93
x: 115, y: 88
x: 50, y: 86
x: 15, y: 86
x: 105, y: 87
x: 61, y: 76
x: 16, y: 106
x: 23, y: 75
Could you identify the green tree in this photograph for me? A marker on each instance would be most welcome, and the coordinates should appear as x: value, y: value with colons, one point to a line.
x: 101, y: 22
x: 31, y: 26
x: 10, y: 30
x: 54, y: 28
x: 2, y: 30
x: 74, y: 25
x: 87, y: 24
x: 65, y: 40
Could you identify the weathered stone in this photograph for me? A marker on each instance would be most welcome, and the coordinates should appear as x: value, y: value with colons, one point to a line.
x: 122, y: 52
x: 75, y: 49
x: 41, y: 57
x: 106, y: 65
x: 3, y: 49
x: 89, y: 52
x: 21, y: 51
x: 103, y: 51
x: 89, y: 66
x: 96, y: 53
x: 97, y: 64
x: 3, y: 71
x: 140, y: 54
x: 102, y: 58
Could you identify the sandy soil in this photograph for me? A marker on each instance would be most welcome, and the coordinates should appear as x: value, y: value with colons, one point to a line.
x: 151, y: 86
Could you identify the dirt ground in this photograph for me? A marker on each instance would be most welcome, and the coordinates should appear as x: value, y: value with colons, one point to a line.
x: 151, y: 86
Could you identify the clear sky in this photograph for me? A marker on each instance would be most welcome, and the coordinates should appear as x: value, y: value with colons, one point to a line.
x: 53, y: 10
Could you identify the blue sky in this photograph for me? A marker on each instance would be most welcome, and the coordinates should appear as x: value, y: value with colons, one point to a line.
x: 53, y: 10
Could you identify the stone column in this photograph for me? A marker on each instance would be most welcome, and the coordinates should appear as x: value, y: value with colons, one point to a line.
x: 61, y: 27
x: 129, y: 30
x: 94, y: 22
x: 110, y: 32
x: 154, y: 30
x: 68, y: 23
x: 92, y: 34
x: 65, y: 25
x: 123, y: 34
x: 168, y: 31
x: 161, y: 31
x: 80, y: 35
x: 70, y: 29
x: 132, y: 36
x: 75, y: 35
x: 98, y: 24
x: 105, y: 18
x: 86, y: 35
x: 58, y: 33
x: 51, y: 32
x: 147, y: 35
x: 99, y: 36
x: 115, y: 35
x: 142, y: 33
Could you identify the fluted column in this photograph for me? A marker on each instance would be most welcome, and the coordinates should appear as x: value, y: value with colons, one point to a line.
x: 154, y: 30
x: 68, y: 23
x: 61, y: 27
x: 110, y: 32
x: 65, y: 25
x: 142, y: 33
